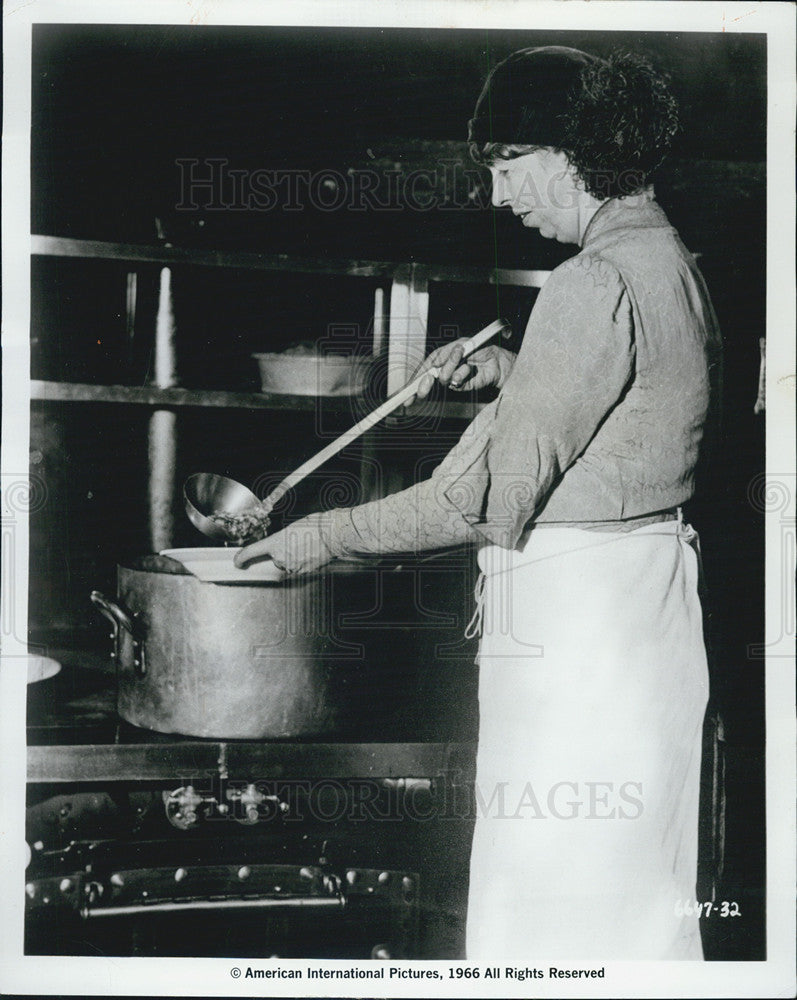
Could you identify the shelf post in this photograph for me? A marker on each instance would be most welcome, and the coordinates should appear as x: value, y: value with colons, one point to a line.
x: 163, y: 424
x: 131, y: 298
x: 371, y: 478
x: 409, y: 315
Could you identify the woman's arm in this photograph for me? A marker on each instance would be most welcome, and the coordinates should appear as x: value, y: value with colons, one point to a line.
x: 417, y: 519
x: 574, y: 364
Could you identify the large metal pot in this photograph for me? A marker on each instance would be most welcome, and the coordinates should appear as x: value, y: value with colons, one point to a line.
x: 358, y: 651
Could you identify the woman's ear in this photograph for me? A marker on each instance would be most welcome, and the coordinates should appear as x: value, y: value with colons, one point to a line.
x: 558, y: 159
x: 578, y: 181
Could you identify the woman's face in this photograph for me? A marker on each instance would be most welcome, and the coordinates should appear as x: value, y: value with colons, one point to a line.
x: 540, y: 188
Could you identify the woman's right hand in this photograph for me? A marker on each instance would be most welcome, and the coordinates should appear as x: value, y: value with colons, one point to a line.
x: 488, y: 366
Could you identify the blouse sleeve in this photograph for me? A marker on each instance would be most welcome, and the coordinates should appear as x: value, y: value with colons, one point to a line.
x: 417, y: 519
x: 576, y: 360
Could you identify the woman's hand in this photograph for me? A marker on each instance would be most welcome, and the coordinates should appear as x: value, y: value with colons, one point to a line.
x: 489, y: 366
x: 299, y: 548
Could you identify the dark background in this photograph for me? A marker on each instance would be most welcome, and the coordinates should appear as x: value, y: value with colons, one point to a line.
x: 115, y: 107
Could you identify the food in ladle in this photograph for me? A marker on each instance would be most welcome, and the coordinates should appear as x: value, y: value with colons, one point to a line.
x: 248, y: 526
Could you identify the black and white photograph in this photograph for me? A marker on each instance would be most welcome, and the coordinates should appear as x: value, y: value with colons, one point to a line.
x: 398, y: 499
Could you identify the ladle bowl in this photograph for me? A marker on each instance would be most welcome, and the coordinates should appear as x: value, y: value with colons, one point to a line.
x: 206, y: 493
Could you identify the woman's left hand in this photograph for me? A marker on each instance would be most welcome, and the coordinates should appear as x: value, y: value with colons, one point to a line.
x: 299, y: 548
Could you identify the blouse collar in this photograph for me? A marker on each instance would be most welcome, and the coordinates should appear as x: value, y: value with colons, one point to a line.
x: 633, y: 211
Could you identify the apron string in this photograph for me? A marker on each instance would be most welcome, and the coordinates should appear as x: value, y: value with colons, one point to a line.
x: 475, y: 625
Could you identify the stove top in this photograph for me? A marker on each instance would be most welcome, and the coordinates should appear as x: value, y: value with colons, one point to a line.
x: 75, y: 734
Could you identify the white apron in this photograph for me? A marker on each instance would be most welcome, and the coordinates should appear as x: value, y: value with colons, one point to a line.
x: 592, y: 690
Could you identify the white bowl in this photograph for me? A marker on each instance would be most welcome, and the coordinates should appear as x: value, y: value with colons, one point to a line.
x: 215, y: 565
x: 41, y: 668
x: 313, y: 374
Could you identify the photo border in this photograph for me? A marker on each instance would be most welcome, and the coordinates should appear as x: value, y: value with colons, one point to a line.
x: 211, y: 977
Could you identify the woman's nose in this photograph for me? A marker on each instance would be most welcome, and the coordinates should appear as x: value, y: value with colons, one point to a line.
x: 500, y: 194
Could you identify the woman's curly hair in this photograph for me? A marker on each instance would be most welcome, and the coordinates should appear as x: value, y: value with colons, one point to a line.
x: 619, y: 125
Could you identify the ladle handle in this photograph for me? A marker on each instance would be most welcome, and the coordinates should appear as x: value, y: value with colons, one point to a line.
x: 392, y: 403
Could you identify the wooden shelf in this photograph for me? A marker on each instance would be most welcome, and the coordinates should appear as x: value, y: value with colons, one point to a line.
x: 148, y: 395
x: 415, y: 276
x: 57, y: 246
x: 79, y: 392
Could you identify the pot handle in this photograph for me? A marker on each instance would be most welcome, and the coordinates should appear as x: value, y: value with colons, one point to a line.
x: 116, y: 614
x: 120, y: 617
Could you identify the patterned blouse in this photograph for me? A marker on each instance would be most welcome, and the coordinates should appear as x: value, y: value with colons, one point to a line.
x: 600, y: 422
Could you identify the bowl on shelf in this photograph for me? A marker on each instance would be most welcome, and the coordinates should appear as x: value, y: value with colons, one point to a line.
x: 313, y: 374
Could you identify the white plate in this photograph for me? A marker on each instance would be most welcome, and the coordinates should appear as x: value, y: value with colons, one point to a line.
x: 41, y: 668
x: 215, y: 565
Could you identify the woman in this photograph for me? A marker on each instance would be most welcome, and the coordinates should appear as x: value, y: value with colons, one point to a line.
x: 593, y: 680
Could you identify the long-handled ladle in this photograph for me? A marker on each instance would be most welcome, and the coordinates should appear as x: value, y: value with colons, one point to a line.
x: 217, y: 505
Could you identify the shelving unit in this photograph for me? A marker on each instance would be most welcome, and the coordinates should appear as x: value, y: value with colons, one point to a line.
x: 58, y: 246
x: 148, y: 395
x: 400, y: 335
